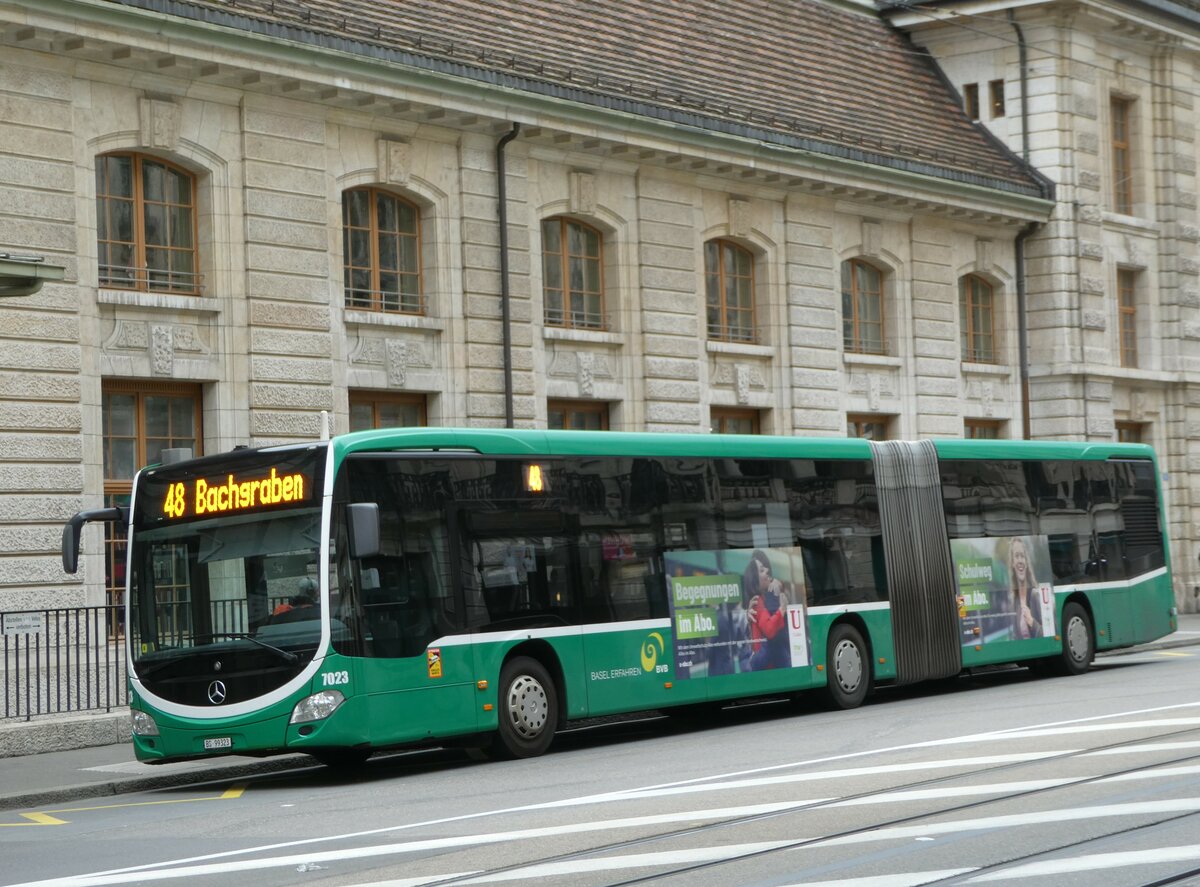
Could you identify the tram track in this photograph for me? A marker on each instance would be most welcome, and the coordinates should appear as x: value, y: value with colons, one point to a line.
x: 724, y: 825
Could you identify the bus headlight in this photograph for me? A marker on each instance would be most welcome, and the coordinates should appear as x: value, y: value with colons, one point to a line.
x: 316, y: 707
x: 143, y: 724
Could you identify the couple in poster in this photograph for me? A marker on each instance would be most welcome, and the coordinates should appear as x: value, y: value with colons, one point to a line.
x: 732, y: 623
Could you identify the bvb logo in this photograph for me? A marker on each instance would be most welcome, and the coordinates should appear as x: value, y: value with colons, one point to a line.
x: 651, y: 650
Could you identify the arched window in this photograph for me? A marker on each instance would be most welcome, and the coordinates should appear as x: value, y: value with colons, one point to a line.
x: 977, y: 319
x: 572, y: 274
x: 146, y: 224
x: 381, y: 244
x: 862, y: 308
x: 729, y: 291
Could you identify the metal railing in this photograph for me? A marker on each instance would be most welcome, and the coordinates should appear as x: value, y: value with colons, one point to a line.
x: 156, y: 280
x: 62, y: 660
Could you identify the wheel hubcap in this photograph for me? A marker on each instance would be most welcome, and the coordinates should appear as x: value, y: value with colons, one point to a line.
x: 528, y: 706
x: 1077, y: 639
x: 847, y: 666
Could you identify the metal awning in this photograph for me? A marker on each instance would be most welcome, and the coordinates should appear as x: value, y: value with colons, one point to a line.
x: 24, y: 275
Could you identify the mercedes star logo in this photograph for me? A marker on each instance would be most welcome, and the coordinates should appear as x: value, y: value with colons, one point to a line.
x: 216, y: 692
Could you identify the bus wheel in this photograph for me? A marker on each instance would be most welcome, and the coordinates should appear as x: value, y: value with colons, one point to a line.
x: 1078, y: 648
x: 847, y: 666
x: 528, y: 709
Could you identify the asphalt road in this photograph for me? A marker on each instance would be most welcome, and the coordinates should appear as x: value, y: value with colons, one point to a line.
x: 998, y: 778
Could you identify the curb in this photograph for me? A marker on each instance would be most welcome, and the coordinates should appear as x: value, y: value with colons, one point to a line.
x: 64, y: 733
x: 1150, y: 648
x: 70, y: 793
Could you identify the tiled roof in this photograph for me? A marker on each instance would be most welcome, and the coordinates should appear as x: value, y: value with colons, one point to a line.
x: 797, y: 72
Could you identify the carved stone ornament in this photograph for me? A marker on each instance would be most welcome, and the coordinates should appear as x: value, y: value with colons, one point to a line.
x: 1137, y: 405
x: 128, y: 335
x: 874, y: 390
x: 159, y: 124
x: 582, y: 193
x: 585, y: 363
x: 398, y: 359
x: 984, y: 253
x: 872, y: 238
x: 395, y: 161
x: 1094, y: 320
x: 162, y: 350
x: 739, y: 217
x: 742, y: 379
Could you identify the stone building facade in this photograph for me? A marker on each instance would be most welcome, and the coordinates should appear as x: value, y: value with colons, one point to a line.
x: 1114, y: 274
x: 270, y: 117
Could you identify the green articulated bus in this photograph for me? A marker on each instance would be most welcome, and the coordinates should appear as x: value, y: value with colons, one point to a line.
x: 486, y: 587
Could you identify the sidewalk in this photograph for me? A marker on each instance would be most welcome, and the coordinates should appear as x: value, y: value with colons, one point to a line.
x: 108, y: 768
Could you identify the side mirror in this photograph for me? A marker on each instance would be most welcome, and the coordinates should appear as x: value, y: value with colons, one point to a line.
x: 362, y: 529
x: 74, y: 529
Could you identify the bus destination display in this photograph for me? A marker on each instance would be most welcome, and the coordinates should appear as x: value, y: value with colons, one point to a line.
x: 231, y: 494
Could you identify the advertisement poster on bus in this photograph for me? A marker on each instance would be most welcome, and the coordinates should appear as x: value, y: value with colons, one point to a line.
x: 1004, y: 588
x: 737, y: 610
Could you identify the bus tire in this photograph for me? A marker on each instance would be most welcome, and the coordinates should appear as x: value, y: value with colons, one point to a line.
x: 1078, y: 641
x: 847, y: 666
x: 528, y: 709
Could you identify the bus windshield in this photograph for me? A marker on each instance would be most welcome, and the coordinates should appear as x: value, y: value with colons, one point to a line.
x: 223, y: 586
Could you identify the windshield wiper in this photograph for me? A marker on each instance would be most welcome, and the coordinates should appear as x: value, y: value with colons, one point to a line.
x: 283, y: 654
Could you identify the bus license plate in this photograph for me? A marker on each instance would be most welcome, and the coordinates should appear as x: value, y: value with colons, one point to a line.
x: 223, y: 742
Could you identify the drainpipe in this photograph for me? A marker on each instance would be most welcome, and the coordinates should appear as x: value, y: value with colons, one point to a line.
x: 1019, y: 243
x: 1023, y: 325
x: 505, y: 308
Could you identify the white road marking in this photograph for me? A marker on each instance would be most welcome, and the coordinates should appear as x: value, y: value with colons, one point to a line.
x: 1099, y: 728
x: 647, y: 790
x: 1094, y: 862
x: 958, y: 827
x: 1103, y: 811
x: 902, y: 879
x: 882, y: 770
x: 631, y: 861
x: 1147, y: 747
x: 419, y: 846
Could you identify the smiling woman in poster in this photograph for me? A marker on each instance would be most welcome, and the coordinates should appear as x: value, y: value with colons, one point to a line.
x: 766, y: 610
x: 1027, y: 620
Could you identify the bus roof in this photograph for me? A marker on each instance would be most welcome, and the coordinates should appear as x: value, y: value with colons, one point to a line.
x: 527, y: 441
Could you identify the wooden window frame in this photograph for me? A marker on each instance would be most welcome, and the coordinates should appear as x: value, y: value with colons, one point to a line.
x: 996, y: 98
x: 140, y: 277
x: 374, y: 399
x: 118, y: 490
x: 716, y: 281
x: 856, y: 423
x: 977, y: 296
x: 971, y: 100
x: 1121, y: 132
x: 972, y: 427
x: 720, y: 416
x: 378, y: 298
x: 855, y: 342
x: 1127, y: 331
x: 588, y: 407
x: 571, y: 318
